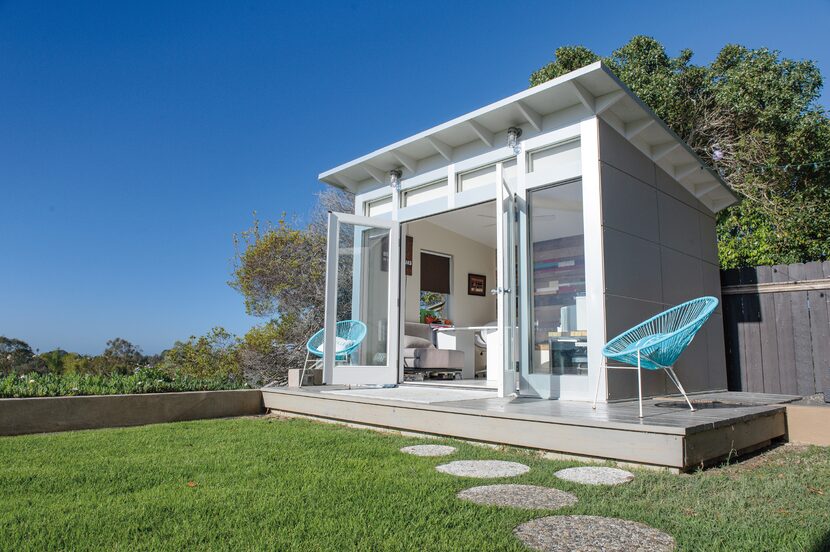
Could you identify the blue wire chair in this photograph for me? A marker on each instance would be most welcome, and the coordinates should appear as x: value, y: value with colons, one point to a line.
x: 657, y: 343
x: 349, y: 336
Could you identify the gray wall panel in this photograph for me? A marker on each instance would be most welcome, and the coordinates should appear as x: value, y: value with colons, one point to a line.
x: 679, y: 225
x: 670, y: 186
x: 618, y: 152
x: 682, y: 276
x: 708, y: 239
x: 632, y: 266
x: 628, y: 204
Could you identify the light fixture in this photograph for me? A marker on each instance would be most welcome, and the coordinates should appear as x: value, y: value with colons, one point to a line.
x: 513, y: 135
x: 395, y: 179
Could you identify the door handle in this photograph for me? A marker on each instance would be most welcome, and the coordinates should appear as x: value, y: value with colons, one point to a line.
x: 496, y: 291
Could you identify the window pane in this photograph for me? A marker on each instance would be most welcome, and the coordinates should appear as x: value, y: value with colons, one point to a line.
x: 558, y: 261
x: 555, y: 156
x: 485, y: 176
x: 421, y: 194
x: 363, y: 294
x: 379, y: 206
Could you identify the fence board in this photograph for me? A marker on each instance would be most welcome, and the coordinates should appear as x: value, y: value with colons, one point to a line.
x: 777, y: 328
x: 768, y: 333
x: 819, y: 327
x: 784, y: 332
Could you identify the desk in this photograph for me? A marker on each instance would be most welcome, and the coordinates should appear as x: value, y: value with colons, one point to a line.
x: 462, y: 338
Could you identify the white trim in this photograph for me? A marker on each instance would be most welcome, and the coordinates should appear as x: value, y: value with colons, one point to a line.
x: 594, y: 260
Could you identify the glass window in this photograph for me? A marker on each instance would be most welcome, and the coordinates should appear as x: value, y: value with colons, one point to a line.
x: 434, y: 190
x: 557, y: 258
x: 435, y: 288
x: 485, y: 176
x: 567, y: 153
x: 379, y: 206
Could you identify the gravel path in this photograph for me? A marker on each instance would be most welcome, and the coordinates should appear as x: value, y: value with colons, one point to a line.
x: 429, y: 450
x: 595, y: 475
x: 592, y: 533
x: 483, y: 468
x: 528, y: 497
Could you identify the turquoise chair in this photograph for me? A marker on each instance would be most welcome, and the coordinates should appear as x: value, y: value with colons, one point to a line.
x: 657, y: 343
x: 349, y: 336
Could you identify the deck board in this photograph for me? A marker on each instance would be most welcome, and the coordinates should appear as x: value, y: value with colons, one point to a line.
x: 669, y: 434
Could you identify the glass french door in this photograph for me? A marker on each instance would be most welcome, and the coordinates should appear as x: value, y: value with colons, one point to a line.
x: 555, y: 323
x: 361, y: 304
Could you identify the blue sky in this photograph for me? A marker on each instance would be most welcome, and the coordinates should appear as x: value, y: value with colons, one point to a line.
x: 137, y: 137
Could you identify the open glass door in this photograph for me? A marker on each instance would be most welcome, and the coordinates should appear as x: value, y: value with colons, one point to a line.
x: 362, y: 298
x: 556, y: 321
x: 507, y: 289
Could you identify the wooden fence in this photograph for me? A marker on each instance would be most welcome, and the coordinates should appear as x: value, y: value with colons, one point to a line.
x: 777, y: 328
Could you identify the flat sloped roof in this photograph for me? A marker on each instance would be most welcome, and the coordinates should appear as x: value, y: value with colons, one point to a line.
x: 593, y: 86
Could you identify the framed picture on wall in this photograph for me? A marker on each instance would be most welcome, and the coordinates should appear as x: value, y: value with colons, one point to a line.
x: 476, y: 283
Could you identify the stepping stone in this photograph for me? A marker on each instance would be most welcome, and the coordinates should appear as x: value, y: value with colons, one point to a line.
x: 592, y: 533
x: 429, y: 450
x: 528, y: 497
x: 483, y: 468
x: 595, y: 475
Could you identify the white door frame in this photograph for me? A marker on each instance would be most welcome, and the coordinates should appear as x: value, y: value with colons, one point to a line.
x: 333, y: 374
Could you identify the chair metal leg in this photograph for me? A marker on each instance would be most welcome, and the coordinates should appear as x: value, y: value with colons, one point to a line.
x: 676, y: 381
x: 640, y: 383
x: 305, y: 364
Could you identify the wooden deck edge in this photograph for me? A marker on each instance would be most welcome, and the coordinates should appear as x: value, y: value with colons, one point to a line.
x: 704, y: 449
x: 639, y: 447
x: 444, y: 407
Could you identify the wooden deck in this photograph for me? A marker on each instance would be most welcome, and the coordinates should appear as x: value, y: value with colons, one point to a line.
x: 668, y: 435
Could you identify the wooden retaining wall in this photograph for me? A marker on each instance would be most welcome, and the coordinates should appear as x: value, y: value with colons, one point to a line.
x: 777, y: 328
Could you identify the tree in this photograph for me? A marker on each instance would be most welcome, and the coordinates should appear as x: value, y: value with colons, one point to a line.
x: 17, y: 355
x: 120, y: 356
x: 752, y: 115
x: 280, y: 270
x: 209, y: 356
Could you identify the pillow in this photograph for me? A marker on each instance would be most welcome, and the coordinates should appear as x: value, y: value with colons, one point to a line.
x: 340, y: 344
x: 412, y: 342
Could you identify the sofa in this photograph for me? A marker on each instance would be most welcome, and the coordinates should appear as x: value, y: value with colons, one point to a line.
x: 421, y: 355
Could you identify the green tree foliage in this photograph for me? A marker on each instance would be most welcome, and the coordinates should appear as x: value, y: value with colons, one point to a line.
x: 17, y: 355
x: 207, y: 356
x: 760, y: 110
x: 280, y: 270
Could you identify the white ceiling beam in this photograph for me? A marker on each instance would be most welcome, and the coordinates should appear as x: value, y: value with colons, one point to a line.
x: 445, y: 150
x: 375, y: 173
x: 659, y: 151
x: 484, y: 135
x: 532, y: 117
x: 606, y: 102
x: 347, y: 183
x: 682, y: 172
x: 407, y: 161
x: 708, y: 187
x: 584, y: 95
x: 634, y: 128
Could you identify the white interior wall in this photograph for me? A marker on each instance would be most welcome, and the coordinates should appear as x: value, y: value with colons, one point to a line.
x: 468, y: 257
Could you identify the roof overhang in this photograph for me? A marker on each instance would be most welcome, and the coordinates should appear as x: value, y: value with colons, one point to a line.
x: 595, y: 87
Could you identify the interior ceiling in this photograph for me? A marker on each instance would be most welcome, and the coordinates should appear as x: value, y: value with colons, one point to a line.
x: 477, y: 223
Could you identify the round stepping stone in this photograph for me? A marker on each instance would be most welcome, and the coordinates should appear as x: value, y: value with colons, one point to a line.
x: 592, y: 533
x: 483, y: 468
x: 529, y: 497
x: 429, y: 450
x: 595, y: 475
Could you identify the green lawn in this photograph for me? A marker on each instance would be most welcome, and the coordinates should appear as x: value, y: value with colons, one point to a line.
x: 271, y: 484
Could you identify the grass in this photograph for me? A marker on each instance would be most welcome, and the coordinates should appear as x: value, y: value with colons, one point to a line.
x: 274, y: 484
x: 143, y: 380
